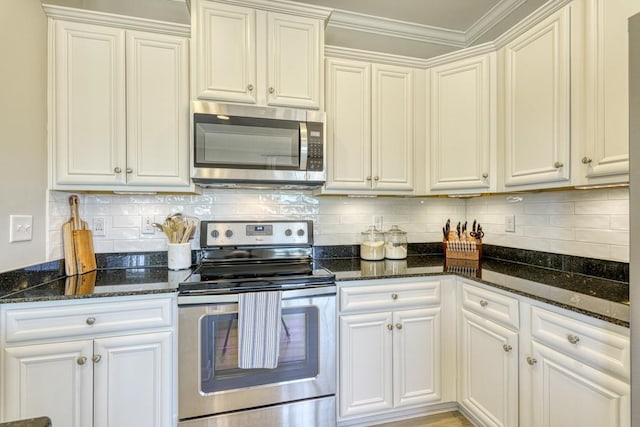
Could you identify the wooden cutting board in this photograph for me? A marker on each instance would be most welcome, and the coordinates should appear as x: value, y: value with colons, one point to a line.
x: 85, y: 255
x: 79, y: 256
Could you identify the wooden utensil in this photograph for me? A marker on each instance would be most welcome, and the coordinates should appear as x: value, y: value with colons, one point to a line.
x: 87, y: 283
x: 70, y: 262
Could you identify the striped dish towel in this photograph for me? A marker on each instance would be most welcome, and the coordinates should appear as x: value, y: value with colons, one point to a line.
x: 259, y: 329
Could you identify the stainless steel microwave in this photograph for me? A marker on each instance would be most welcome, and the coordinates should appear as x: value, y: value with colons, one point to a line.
x: 249, y: 146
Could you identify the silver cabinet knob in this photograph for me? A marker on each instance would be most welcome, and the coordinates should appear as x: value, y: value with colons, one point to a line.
x: 91, y: 320
x: 390, y: 327
x: 96, y: 358
x: 531, y: 360
x: 586, y: 160
x: 507, y: 348
x: 271, y: 90
x: 250, y: 87
x: 558, y: 165
x: 376, y: 178
x: 483, y: 303
x: 394, y: 296
x: 573, y: 339
x: 485, y: 175
x: 369, y: 178
x: 81, y: 360
x: 398, y: 325
x: 117, y: 169
x: 129, y: 170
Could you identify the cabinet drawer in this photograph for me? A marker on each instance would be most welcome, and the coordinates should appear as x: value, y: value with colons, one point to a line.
x: 389, y: 296
x: 491, y: 305
x: 591, y: 344
x: 55, y: 321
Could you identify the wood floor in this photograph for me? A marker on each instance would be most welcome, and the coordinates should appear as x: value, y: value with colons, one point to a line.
x: 448, y: 419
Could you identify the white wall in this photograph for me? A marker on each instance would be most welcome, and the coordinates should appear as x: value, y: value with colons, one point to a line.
x: 591, y: 223
x: 23, y: 127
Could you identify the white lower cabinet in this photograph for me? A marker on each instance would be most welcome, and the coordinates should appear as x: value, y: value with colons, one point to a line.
x: 390, y: 346
x: 76, y: 365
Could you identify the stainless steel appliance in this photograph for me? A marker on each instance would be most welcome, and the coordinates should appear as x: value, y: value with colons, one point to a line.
x: 240, y: 257
x: 250, y: 146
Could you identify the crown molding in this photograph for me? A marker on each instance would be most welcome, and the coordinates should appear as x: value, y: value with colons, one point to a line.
x: 353, y: 21
x: 490, y: 19
x: 284, y: 6
x: 113, y: 20
x: 370, y: 56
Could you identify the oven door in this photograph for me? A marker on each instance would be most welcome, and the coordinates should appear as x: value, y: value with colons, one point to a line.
x: 210, y: 381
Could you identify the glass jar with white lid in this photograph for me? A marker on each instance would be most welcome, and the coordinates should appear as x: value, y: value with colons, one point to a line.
x: 396, y: 246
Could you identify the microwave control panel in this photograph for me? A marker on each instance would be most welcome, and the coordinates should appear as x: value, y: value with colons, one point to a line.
x: 315, y: 154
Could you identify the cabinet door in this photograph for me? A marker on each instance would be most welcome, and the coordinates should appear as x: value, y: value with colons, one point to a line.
x: 489, y: 371
x: 88, y: 94
x: 566, y: 392
x: 606, y: 148
x: 536, y: 103
x: 392, y: 128
x: 294, y: 61
x: 54, y: 380
x: 416, y: 357
x: 133, y: 381
x: 365, y: 377
x: 157, y: 109
x: 462, y: 133
x: 225, y: 48
x: 348, y: 125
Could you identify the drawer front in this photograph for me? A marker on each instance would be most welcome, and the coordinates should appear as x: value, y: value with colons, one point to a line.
x: 591, y: 344
x: 389, y: 296
x: 76, y: 320
x: 491, y: 305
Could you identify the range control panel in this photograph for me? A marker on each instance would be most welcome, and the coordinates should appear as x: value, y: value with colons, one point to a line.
x: 256, y: 233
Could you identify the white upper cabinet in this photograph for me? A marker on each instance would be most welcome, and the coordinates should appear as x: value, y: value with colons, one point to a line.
x: 462, y: 134
x: 249, y: 53
x: 370, y: 127
x: 537, y: 116
x: 119, y: 108
x: 604, y: 154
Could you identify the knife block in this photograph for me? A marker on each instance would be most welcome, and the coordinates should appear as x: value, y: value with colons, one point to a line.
x: 465, y: 249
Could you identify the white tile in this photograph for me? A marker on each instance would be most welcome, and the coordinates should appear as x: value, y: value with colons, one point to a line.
x: 551, y: 233
x: 584, y: 249
x: 580, y: 221
x: 550, y: 208
x: 619, y: 222
x: 619, y: 253
x: 609, y: 237
x: 605, y: 207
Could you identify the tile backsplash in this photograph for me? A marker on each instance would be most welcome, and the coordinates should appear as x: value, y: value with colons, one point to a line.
x: 591, y: 223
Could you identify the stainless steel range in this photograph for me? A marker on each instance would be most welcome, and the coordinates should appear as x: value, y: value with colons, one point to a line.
x: 257, y: 329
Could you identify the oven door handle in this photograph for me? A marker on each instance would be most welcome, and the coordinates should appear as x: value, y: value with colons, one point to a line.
x: 233, y: 298
x: 304, y: 146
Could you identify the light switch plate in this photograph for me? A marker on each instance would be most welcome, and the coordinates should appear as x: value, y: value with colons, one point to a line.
x: 20, y: 228
x: 510, y: 223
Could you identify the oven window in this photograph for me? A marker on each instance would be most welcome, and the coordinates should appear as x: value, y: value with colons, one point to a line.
x: 219, y: 351
x: 247, y: 143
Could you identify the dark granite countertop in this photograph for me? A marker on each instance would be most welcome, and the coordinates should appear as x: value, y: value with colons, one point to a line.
x: 594, y: 296
x: 31, y: 422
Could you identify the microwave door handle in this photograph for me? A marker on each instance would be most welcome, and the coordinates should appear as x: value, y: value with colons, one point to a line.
x: 304, y: 146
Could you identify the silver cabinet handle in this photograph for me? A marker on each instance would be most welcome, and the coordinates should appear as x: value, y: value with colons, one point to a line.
x: 485, y: 175
x: 586, y: 160
x: 369, y: 178
x: 376, y: 178
x: 129, y: 170
x: 398, y: 325
x: 573, y: 339
x: 271, y: 90
x: 117, y: 169
x: 558, y: 165
x: 483, y: 303
x: 507, y: 348
x: 394, y: 296
x: 250, y: 87
x: 81, y: 360
x: 96, y: 358
x: 91, y: 320
x: 531, y: 360
x: 390, y: 327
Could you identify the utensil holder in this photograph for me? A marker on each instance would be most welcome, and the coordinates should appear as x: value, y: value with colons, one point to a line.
x: 456, y: 249
x: 179, y: 256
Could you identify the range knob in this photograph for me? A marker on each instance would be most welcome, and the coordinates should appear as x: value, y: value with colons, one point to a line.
x: 215, y: 234
x: 288, y: 232
x: 300, y: 232
x: 228, y: 234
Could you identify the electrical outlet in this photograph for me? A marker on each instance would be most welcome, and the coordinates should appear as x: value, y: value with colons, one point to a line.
x: 377, y: 221
x: 20, y: 228
x: 99, y: 226
x: 510, y: 223
x: 147, y: 227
